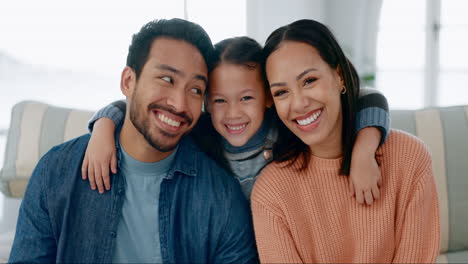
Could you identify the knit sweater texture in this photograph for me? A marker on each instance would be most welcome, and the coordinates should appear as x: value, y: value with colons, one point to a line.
x: 308, y: 216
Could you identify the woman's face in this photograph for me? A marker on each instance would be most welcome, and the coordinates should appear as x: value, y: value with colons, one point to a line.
x: 236, y: 102
x: 306, y: 93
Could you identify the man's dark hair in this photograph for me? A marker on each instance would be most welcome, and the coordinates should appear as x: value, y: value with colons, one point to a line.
x: 175, y: 28
x: 289, y: 147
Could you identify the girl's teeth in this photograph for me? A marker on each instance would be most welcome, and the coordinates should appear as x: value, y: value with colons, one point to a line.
x: 236, y: 127
x: 310, y: 119
x: 168, y: 121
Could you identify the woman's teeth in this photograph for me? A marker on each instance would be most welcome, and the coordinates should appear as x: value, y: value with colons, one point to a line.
x: 310, y: 119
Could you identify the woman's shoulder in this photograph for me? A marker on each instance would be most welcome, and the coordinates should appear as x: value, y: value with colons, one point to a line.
x: 272, y: 182
x: 405, y: 149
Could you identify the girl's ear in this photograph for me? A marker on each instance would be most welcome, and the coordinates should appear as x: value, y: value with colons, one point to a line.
x: 128, y: 81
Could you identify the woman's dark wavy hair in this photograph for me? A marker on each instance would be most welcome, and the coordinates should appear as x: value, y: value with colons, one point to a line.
x: 289, y: 147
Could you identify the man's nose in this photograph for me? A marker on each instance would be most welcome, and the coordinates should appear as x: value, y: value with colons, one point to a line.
x: 177, y: 100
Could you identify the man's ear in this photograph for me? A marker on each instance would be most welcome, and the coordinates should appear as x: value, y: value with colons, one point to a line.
x: 128, y: 81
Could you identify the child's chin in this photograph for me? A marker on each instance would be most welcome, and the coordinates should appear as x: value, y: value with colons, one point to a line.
x: 237, y: 143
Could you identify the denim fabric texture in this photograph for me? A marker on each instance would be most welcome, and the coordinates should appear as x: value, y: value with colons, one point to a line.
x: 203, y: 215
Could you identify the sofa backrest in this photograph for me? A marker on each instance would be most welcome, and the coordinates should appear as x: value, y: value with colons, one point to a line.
x: 445, y: 131
x: 34, y: 128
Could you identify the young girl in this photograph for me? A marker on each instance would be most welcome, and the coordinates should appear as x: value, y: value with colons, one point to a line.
x: 298, y: 210
x: 239, y: 130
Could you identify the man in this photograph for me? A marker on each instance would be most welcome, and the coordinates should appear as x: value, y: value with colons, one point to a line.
x: 169, y: 201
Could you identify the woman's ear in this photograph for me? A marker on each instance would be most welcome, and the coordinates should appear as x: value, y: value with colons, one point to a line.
x: 128, y: 81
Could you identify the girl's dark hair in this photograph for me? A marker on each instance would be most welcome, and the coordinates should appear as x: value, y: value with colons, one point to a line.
x: 289, y: 147
x: 242, y: 51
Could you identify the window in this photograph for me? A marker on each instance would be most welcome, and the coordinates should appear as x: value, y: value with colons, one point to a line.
x: 421, y: 59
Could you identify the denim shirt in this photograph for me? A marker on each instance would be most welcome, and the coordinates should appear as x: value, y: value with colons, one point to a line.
x: 203, y: 215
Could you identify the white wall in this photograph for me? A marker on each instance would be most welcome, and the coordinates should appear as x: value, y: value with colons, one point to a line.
x: 354, y: 23
x: 264, y: 16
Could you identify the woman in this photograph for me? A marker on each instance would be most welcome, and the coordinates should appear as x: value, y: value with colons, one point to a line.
x: 300, y: 214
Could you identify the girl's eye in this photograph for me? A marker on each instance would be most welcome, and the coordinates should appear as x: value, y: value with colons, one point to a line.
x: 197, y: 91
x: 309, y: 81
x: 167, y: 79
x: 246, y: 98
x: 279, y: 93
x: 219, y: 101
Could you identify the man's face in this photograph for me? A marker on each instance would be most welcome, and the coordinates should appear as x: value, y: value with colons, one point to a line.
x: 167, y: 98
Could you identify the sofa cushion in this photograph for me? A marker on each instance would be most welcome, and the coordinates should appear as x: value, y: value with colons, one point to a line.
x: 445, y: 131
x: 36, y: 127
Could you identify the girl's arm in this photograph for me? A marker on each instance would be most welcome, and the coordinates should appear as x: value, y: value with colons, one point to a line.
x: 101, y: 154
x: 372, y: 126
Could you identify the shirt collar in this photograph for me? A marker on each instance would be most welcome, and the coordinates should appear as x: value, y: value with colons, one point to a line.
x: 185, y: 160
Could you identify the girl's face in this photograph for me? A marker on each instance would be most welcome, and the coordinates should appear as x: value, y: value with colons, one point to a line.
x: 236, y: 102
x: 306, y: 92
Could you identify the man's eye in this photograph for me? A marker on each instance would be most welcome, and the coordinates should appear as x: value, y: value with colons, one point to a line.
x: 219, y: 101
x: 197, y: 91
x: 246, y: 98
x: 167, y: 79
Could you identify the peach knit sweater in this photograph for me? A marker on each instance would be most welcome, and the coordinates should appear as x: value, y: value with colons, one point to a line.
x: 309, y: 216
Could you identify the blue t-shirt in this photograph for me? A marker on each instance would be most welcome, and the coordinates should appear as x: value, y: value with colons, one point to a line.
x: 137, y: 238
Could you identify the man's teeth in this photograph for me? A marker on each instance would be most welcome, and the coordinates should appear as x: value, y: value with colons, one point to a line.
x: 168, y: 121
x: 309, y: 120
x: 236, y: 127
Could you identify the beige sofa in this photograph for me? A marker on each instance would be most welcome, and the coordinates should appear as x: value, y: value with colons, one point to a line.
x: 35, y: 127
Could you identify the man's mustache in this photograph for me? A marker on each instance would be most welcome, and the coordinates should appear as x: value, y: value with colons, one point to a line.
x: 183, y: 115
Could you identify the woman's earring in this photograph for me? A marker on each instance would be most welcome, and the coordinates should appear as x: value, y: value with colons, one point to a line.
x: 343, y: 89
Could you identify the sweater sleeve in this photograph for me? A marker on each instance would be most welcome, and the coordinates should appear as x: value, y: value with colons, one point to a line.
x: 275, y: 243
x: 418, y: 229
x: 373, y: 112
x: 114, y: 111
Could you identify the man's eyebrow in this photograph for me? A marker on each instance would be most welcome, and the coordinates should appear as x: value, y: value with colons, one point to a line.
x: 304, y: 73
x: 180, y: 73
x: 201, y: 77
x: 169, y: 68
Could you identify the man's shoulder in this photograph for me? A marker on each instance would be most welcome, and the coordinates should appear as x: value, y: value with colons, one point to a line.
x: 69, y: 149
x: 63, y: 158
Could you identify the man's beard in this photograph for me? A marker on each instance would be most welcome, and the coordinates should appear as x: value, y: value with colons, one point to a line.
x: 143, y: 125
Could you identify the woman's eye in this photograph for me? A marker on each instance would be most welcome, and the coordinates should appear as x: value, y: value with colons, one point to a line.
x: 218, y: 101
x: 279, y: 93
x: 167, y: 79
x: 246, y: 98
x: 309, y: 81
